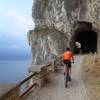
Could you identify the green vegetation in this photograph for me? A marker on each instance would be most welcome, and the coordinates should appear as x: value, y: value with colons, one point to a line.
x: 88, y: 60
x: 91, y: 75
x: 45, y: 2
x: 41, y: 29
x: 97, y: 82
x: 44, y: 29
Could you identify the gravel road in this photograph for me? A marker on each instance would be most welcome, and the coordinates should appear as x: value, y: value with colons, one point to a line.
x: 55, y: 89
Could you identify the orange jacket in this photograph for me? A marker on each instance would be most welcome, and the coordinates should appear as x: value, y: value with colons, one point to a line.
x: 68, y: 55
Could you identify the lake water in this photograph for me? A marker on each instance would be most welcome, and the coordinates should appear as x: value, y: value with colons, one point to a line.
x: 13, y: 71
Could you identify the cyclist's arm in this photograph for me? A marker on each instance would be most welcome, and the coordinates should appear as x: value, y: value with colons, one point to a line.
x: 72, y: 58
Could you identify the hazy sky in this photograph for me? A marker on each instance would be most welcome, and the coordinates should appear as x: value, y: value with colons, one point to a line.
x: 15, y: 21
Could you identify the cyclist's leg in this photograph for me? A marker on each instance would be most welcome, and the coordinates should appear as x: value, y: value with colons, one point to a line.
x: 69, y: 67
x: 66, y: 75
x: 66, y: 69
x: 64, y: 64
x: 70, y: 72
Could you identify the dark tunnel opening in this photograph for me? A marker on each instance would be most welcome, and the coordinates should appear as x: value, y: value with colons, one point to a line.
x: 88, y: 41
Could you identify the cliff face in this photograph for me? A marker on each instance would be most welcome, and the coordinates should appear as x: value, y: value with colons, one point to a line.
x: 46, y: 45
x: 61, y: 15
x: 58, y: 13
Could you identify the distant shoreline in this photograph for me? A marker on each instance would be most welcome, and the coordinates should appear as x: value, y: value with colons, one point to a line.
x: 4, y: 87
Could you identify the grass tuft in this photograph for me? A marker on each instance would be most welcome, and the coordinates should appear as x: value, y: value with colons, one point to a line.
x: 44, y: 29
x: 91, y: 75
x: 45, y: 3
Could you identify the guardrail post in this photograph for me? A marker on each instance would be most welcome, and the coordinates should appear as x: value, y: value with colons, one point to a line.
x: 53, y: 65
x: 37, y: 77
x: 42, y: 76
x: 30, y: 81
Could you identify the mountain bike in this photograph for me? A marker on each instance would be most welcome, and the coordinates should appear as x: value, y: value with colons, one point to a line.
x: 67, y: 77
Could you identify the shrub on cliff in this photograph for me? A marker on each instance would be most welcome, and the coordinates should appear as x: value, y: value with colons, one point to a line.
x: 43, y: 29
x: 45, y: 2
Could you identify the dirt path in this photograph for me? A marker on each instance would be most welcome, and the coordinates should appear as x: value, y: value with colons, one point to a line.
x: 55, y: 89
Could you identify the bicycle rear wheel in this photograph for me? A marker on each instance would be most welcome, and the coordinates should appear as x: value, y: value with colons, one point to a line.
x: 66, y: 81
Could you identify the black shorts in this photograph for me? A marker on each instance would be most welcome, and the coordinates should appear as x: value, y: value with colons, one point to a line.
x: 67, y: 62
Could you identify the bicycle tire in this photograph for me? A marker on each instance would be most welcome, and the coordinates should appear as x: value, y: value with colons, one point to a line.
x: 66, y: 81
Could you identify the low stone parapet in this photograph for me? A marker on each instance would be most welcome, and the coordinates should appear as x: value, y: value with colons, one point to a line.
x: 39, y: 79
x: 38, y: 75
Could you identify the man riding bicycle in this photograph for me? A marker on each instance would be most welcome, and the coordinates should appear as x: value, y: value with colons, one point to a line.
x: 67, y: 57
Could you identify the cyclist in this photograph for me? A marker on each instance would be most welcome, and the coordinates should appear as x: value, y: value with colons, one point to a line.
x: 67, y: 57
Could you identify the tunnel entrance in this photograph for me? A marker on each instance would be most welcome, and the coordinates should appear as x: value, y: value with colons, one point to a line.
x: 86, y: 37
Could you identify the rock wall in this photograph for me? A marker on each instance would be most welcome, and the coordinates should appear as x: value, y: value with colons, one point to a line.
x: 93, y: 16
x: 62, y: 16
x: 58, y: 13
x: 46, y: 45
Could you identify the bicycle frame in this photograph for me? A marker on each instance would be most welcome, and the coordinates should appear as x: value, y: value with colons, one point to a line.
x: 66, y: 77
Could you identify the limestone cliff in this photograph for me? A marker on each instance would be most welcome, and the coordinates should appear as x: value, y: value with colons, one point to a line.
x: 56, y: 21
x: 46, y: 45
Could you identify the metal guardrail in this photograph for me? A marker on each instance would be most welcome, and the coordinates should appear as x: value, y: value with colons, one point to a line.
x: 34, y: 84
x: 24, y: 81
x: 14, y: 93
